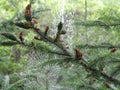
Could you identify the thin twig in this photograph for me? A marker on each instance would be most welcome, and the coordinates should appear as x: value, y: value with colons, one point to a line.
x: 58, y: 53
x: 108, y: 77
x: 98, y: 46
x: 49, y: 39
x: 100, y: 24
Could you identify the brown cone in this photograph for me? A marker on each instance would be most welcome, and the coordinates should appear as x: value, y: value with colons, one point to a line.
x: 78, y: 54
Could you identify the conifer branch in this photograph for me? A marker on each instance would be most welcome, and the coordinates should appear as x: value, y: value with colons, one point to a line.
x: 104, y: 75
x: 78, y: 54
x: 58, y: 53
x: 96, y: 23
x: 49, y: 39
x: 98, y: 46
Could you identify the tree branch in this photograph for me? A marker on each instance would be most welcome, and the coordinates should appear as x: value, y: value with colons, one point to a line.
x: 49, y: 39
x: 98, y: 46
x: 66, y: 53
x: 104, y: 75
x: 58, y: 53
x: 96, y: 23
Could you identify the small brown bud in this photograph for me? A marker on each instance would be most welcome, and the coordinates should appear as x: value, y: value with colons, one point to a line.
x: 28, y: 12
x: 113, y: 50
x: 36, y: 37
x: 21, y: 36
x: 28, y: 6
x: 107, y: 85
x: 78, y: 54
x: 46, y: 30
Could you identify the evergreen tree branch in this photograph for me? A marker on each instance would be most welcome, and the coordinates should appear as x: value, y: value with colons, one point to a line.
x: 104, y: 75
x: 98, y: 46
x: 49, y: 39
x: 42, y: 48
x: 78, y: 54
x: 58, y: 53
x: 96, y: 23
x: 66, y: 53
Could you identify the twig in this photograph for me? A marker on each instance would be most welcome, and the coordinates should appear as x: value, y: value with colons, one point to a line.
x: 95, y: 23
x: 110, y: 78
x: 115, y: 24
x: 49, y: 39
x: 58, y: 53
x: 98, y: 46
